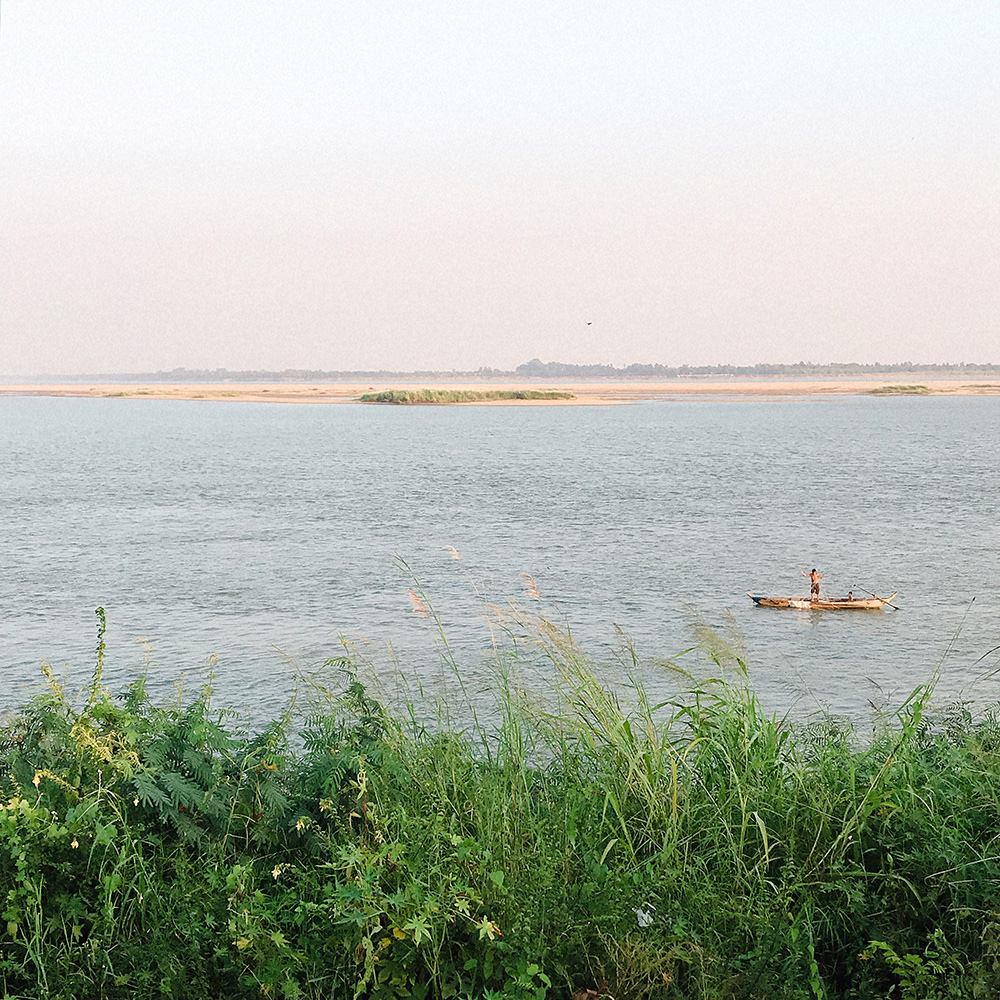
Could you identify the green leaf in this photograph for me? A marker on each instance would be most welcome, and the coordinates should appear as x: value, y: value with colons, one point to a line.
x: 104, y: 834
x: 607, y: 850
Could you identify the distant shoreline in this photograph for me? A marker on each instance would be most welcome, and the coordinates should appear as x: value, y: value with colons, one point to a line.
x: 584, y: 392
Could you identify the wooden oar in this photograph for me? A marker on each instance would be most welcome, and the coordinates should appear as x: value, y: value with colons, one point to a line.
x: 877, y: 598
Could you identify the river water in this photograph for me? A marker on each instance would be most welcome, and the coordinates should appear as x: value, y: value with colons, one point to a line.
x: 258, y: 536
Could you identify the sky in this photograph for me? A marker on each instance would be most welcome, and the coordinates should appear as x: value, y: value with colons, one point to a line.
x: 449, y: 185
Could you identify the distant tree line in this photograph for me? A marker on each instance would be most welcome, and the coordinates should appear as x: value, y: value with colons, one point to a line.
x: 188, y: 375
x: 545, y: 369
x: 557, y: 369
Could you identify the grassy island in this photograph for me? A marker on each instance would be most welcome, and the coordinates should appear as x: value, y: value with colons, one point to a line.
x: 900, y: 390
x: 431, y: 396
x: 582, y: 844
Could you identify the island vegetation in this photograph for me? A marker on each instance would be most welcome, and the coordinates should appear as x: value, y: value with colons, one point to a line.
x: 432, y: 396
x: 576, y: 843
x: 900, y: 390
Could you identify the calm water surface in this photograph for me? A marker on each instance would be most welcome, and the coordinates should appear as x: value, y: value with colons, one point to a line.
x: 261, y: 533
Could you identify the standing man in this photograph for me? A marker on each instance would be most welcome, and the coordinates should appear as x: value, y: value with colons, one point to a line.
x: 814, y: 579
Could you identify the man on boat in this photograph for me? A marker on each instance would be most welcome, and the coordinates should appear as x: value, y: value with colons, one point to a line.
x: 814, y: 579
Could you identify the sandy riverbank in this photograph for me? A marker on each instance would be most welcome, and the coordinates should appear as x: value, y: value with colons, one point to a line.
x: 584, y: 393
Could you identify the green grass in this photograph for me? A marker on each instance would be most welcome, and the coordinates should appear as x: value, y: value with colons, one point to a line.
x: 577, y: 838
x: 411, y: 396
x: 900, y: 390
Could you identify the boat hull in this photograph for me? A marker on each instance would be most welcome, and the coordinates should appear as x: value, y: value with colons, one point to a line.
x: 805, y: 604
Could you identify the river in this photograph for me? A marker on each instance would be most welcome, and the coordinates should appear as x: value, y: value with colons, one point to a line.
x: 257, y: 538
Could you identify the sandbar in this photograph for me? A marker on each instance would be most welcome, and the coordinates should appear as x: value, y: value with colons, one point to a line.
x: 584, y: 393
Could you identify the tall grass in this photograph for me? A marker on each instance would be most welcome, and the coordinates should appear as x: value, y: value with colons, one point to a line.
x: 578, y: 841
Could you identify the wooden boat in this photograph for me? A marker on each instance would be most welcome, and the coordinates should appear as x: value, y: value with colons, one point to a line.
x: 873, y: 603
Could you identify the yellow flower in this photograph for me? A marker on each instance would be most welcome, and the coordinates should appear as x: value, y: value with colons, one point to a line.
x: 36, y: 779
x: 276, y: 872
x: 75, y: 843
x: 301, y: 823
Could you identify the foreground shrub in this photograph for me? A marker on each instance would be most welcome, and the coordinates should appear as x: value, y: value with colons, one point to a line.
x: 585, y: 843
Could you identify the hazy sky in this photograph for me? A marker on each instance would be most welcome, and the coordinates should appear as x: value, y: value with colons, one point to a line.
x: 451, y: 183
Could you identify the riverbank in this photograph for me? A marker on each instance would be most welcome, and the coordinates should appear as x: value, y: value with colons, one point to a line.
x: 608, y: 392
x: 587, y: 845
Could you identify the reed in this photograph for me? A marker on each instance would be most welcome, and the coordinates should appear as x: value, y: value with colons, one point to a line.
x: 577, y: 841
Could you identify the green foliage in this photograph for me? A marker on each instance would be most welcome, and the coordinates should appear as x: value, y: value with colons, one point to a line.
x: 900, y: 390
x: 589, y: 841
x: 936, y: 974
x: 432, y: 396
